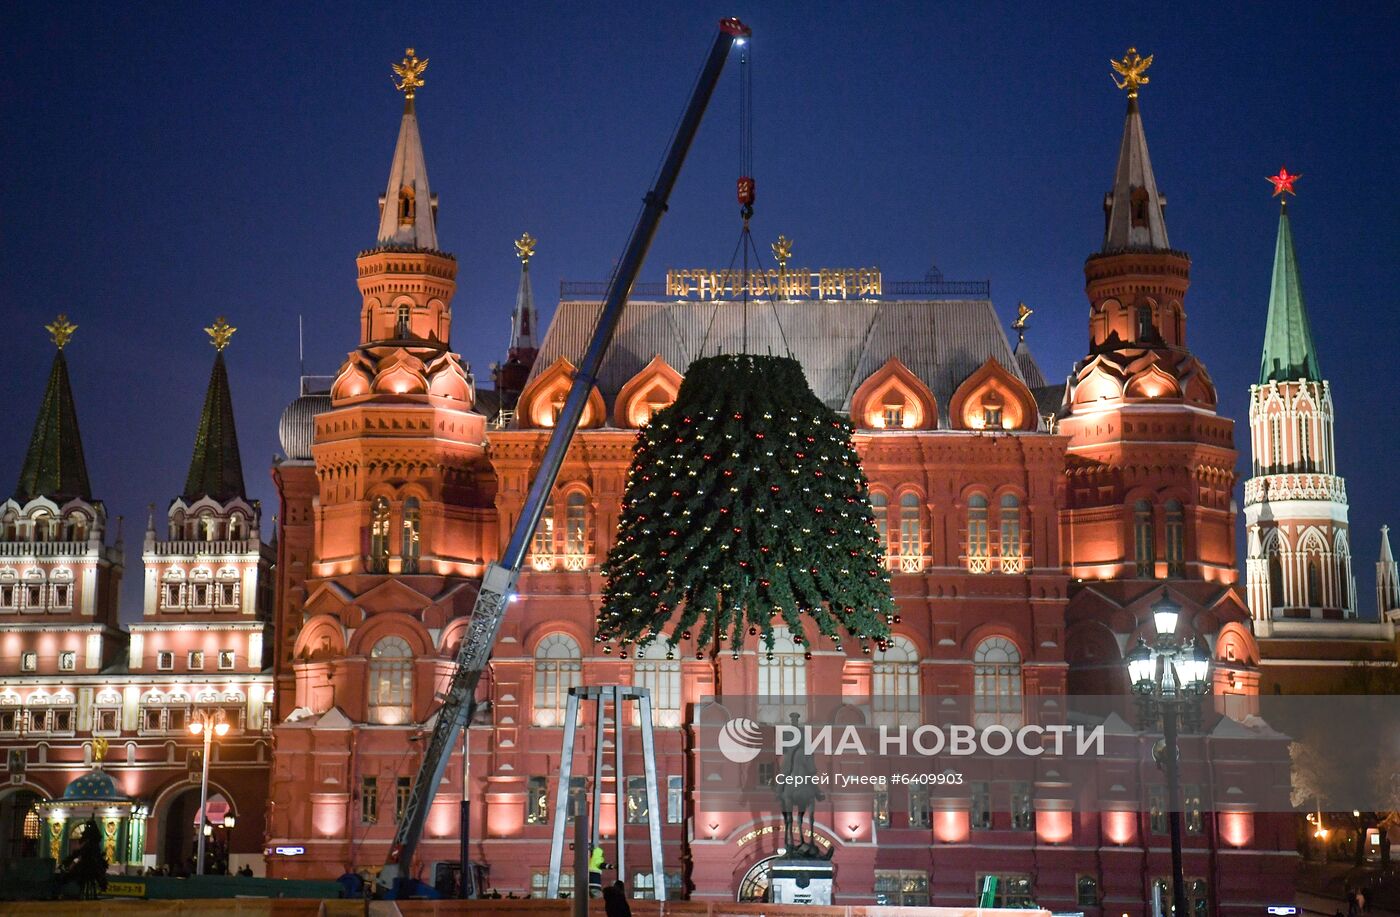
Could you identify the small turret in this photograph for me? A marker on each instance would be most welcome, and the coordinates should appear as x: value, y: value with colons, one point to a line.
x: 1387, y: 581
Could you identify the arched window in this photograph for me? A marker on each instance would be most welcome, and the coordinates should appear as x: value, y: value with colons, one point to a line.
x: 1344, y: 579
x: 1010, y: 546
x: 979, y: 547
x: 557, y: 669
x: 401, y: 322
x: 992, y: 405
x: 235, y: 527
x: 412, y: 519
x: 391, y: 681
x: 911, y: 535
x: 662, y: 677
x: 894, y: 690
x: 1276, y: 597
x: 76, y: 528
x: 208, y: 526
x: 782, y: 678
x: 996, y: 683
x: 880, y: 506
x: 1145, y: 329
x: 1314, y: 582
x: 1144, y: 548
x: 1305, y: 442
x: 542, y: 549
x: 379, y: 535
x: 1176, y: 539
x: 408, y: 206
x: 575, y: 530
x: 1275, y: 440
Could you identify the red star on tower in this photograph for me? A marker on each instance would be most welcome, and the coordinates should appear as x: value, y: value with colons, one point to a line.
x: 1283, y: 181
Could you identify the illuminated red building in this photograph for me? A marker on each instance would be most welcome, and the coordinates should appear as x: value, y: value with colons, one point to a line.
x: 1029, y: 528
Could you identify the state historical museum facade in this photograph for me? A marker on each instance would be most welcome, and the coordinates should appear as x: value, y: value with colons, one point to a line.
x: 1029, y: 528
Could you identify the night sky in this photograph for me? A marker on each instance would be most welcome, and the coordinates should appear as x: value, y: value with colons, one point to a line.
x: 166, y: 163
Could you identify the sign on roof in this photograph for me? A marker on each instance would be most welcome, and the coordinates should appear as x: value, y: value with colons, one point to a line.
x: 792, y: 283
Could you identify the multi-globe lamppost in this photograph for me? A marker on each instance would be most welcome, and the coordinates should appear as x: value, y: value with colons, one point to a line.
x: 1170, y: 676
x: 208, y: 723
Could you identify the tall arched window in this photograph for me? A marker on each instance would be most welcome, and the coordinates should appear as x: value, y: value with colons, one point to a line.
x: 1276, y: 596
x: 391, y: 681
x: 1176, y: 539
x: 996, y: 683
x: 379, y: 535
x: 1305, y: 442
x: 542, y: 549
x: 894, y: 687
x: 412, y: 522
x: 880, y: 505
x: 1275, y: 440
x: 1314, y: 582
x: 1010, y: 546
x: 575, y: 530
x: 782, y: 678
x: 662, y: 677
x: 408, y: 206
x: 911, y: 534
x: 978, y: 541
x: 1145, y: 329
x: 1144, y: 548
x: 557, y: 669
x: 401, y: 322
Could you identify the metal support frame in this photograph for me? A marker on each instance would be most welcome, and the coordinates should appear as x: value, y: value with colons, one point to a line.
x: 601, y: 696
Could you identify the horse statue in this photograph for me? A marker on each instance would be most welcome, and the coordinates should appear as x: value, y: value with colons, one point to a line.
x: 799, y: 794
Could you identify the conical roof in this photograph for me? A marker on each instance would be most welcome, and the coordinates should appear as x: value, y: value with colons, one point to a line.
x: 522, y: 321
x: 1134, y: 206
x: 1289, y: 354
x: 54, y: 465
x: 407, y: 214
x: 216, y: 470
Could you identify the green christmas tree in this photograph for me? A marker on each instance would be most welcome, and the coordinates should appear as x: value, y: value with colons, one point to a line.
x: 745, y: 506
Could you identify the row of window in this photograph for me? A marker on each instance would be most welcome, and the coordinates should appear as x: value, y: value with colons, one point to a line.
x: 1145, y: 538
x: 1309, y: 457
x: 207, y: 527
x: 194, y: 659
x: 179, y: 596
x: 1019, y: 802
x: 58, y: 719
x: 381, y: 535
x: 575, y: 544
x: 44, y: 526
x: 36, y: 597
x: 67, y: 661
x: 537, y: 809
x: 906, y: 521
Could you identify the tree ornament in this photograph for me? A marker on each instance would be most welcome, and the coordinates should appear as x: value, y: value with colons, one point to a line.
x: 729, y: 567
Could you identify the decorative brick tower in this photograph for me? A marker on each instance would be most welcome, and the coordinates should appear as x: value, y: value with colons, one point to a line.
x: 1151, y: 465
x: 401, y: 521
x: 208, y: 585
x: 1295, y: 505
x: 59, y: 576
x: 511, y: 376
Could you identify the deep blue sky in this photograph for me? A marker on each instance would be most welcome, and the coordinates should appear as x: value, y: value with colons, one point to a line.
x: 166, y: 163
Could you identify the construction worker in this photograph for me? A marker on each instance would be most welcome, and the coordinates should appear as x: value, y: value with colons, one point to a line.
x: 596, y: 865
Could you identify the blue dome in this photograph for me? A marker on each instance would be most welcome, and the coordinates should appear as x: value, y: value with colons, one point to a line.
x: 95, y: 784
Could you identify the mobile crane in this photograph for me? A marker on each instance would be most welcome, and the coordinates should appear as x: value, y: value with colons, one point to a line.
x: 498, y: 582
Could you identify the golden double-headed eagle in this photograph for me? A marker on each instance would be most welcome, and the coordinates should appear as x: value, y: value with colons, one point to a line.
x: 1133, y: 69
x: 782, y: 250
x: 1023, y: 312
x: 220, y: 333
x: 525, y: 248
x: 410, y: 73
x: 61, y: 330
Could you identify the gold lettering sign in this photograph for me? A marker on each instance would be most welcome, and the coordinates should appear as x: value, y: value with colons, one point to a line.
x: 784, y: 283
x: 756, y: 833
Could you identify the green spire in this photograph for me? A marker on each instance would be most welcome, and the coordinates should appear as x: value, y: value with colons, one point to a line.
x: 1289, y: 354
x: 54, y: 466
x: 216, y: 469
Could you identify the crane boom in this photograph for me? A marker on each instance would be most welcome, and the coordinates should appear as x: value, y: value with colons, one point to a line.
x: 498, y: 582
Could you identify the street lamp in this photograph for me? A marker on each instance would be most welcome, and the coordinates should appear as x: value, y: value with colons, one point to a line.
x: 1169, y: 677
x: 208, y: 723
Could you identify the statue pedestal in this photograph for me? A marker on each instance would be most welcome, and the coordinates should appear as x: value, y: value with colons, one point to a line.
x: 801, y: 881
